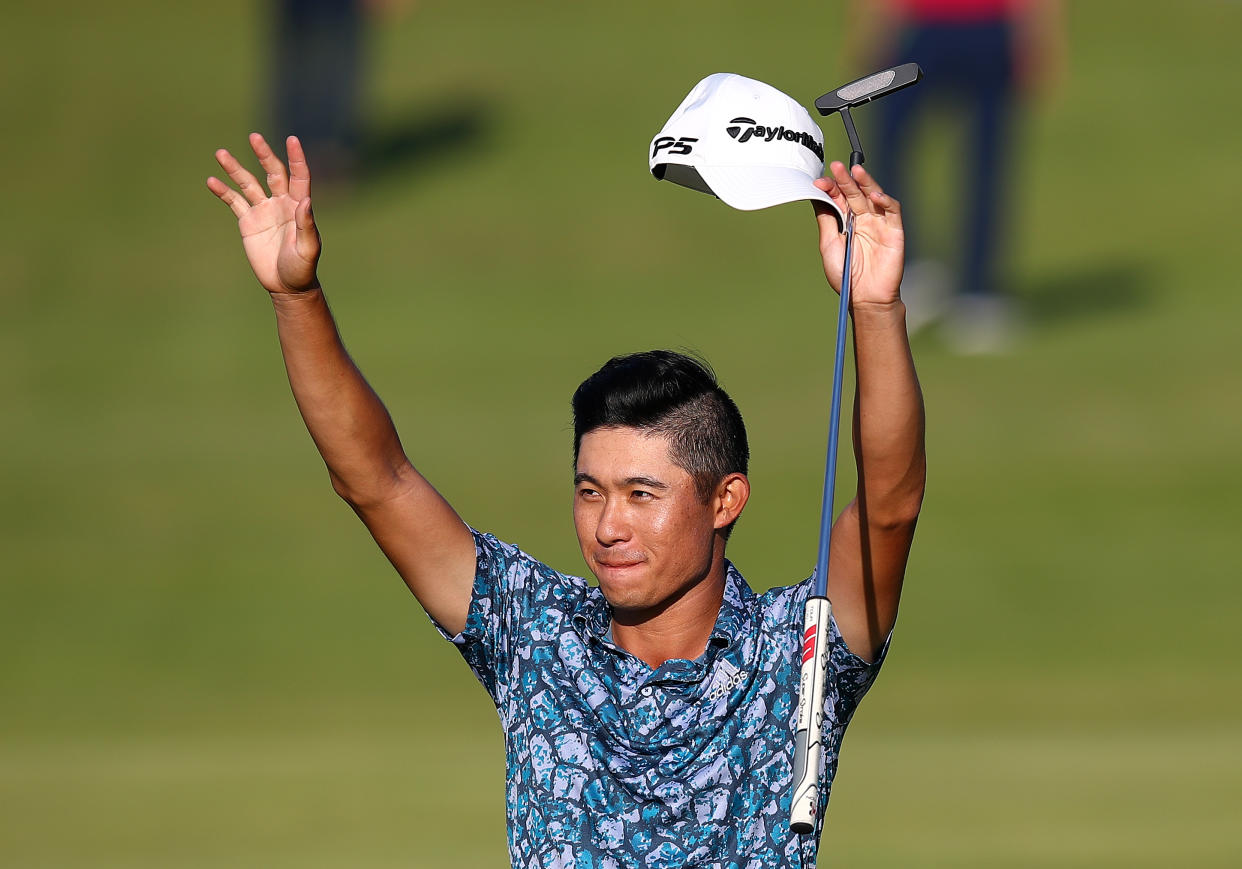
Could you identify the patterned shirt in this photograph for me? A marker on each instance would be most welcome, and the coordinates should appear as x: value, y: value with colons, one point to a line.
x: 614, y: 765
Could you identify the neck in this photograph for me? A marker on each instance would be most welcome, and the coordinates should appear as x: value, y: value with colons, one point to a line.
x: 678, y: 628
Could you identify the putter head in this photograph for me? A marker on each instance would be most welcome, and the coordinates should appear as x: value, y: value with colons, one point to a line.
x: 868, y: 88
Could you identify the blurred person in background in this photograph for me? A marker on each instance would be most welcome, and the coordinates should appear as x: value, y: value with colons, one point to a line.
x: 317, y: 79
x: 318, y: 73
x: 981, y: 58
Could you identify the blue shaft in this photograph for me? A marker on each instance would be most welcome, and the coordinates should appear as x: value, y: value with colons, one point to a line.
x: 834, y: 421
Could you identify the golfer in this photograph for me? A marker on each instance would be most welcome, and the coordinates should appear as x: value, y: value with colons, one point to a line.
x: 649, y: 721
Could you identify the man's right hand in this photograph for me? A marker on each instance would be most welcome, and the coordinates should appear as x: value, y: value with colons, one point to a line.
x: 278, y: 231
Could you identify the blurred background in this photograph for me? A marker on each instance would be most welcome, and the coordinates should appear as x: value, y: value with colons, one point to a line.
x: 204, y: 661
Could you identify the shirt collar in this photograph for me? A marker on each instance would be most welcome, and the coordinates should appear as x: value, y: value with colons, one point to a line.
x: 735, y: 621
x: 593, y: 614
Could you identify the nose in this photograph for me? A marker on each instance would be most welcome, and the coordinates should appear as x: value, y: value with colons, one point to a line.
x: 613, y: 526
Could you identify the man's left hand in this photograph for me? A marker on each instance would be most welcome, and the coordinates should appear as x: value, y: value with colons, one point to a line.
x: 879, y: 240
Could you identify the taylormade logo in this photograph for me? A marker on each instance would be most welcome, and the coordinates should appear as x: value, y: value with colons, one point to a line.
x: 745, y: 129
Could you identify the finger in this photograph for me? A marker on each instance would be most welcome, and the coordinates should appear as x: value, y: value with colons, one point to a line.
x: 277, y: 178
x: 829, y: 185
x: 229, y: 196
x: 299, y: 170
x: 886, y: 204
x: 246, y: 182
x: 858, y: 202
x: 882, y: 202
x: 865, y: 182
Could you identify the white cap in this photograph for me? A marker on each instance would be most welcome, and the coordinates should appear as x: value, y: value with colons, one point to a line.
x: 743, y: 141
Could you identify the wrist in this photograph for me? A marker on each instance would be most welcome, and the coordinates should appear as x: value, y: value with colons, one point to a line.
x: 878, y: 314
x: 291, y: 304
x: 295, y: 297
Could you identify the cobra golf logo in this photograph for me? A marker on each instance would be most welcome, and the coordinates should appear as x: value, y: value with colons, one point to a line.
x: 746, y: 129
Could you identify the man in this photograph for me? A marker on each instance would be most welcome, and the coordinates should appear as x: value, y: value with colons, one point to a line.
x: 983, y: 59
x: 648, y: 722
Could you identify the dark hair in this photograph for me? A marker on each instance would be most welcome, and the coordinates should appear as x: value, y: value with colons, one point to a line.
x: 670, y: 394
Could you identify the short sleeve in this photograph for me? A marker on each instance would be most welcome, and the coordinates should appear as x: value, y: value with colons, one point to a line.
x: 482, y: 640
x: 509, y: 590
x: 849, y: 674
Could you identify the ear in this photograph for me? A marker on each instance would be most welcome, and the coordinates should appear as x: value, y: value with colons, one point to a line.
x: 732, y: 493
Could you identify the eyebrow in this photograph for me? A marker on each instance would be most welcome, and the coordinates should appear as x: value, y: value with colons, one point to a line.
x: 645, y: 482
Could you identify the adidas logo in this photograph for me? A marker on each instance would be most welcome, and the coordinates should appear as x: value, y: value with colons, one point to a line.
x: 727, y: 678
x: 744, y: 129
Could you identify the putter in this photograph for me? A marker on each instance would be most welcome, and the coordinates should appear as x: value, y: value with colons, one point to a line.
x: 808, y: 737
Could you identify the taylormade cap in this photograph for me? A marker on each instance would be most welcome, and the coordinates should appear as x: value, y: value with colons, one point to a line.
x: 744, y: 142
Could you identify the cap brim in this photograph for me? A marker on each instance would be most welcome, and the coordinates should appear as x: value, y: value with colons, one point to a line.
x: 748, y: 188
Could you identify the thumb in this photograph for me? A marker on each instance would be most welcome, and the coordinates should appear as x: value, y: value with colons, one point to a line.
x: 831, y: 231
x: 829, y: 220
x: 830, y: 216
x: 307, y: 236
x: 831, y: 241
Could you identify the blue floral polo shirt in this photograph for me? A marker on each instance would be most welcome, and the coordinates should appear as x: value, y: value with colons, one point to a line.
x: 614, y: 765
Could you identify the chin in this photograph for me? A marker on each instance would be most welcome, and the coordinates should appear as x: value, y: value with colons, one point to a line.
x: 617, y: 595
x: 623, y: 595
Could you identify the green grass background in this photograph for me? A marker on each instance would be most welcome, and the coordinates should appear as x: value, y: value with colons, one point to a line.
x: 205, y: 663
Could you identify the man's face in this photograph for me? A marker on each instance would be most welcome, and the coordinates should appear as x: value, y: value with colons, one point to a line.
x: 644, y: 531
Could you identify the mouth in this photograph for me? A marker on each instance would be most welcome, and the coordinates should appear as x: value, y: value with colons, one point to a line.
x: 618, y: 565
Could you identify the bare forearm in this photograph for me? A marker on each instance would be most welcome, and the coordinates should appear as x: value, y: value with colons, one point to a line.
x: 418, y: 530
x: 345, y: 417
x: 888, y: 417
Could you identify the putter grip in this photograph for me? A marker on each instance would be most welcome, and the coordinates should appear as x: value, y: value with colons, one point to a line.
x: 808, y: 737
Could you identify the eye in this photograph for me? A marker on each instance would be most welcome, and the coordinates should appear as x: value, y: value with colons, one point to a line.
x: 584, y: 492
x: 641, y: 495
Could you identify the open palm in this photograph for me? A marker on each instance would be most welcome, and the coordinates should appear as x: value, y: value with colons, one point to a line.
x: 879, y: 240
x: 278, y: 230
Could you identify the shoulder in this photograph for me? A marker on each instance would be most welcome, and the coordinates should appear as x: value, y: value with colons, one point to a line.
x: 514, y: 570
x: 784, y: 603
x: 783, y: 609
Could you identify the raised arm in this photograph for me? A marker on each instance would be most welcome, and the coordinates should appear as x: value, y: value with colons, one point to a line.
x: 872, y: 536
x: 417, y: 529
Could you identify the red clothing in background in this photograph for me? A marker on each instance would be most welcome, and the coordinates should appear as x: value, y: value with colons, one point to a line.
x: 958, y: 11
